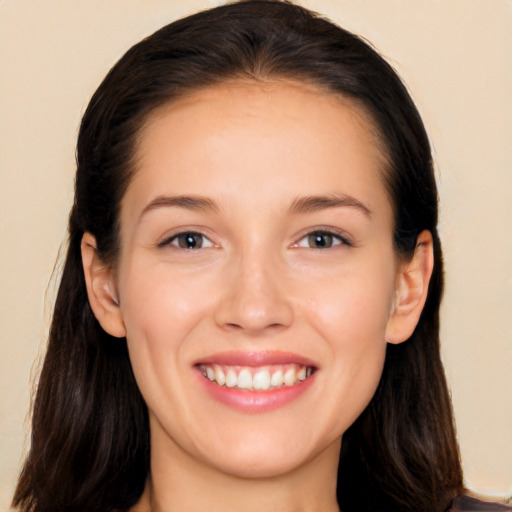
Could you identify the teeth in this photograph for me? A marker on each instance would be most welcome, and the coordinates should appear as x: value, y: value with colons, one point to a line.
x: 245, y: 380
x: 260, y: 379
x: 231, y: 378
x: 277, y: 379
x: 289, y: 377
x: 220, y: 378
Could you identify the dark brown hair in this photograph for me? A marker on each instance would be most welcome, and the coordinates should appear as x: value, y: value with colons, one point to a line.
x: 90, y: 443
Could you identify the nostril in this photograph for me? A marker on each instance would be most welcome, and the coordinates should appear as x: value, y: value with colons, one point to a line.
x: 268, y: 328
x: 232, y: 327
x: 249, y: 309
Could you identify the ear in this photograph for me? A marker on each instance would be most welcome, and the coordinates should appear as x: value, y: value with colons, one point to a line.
x: 101, y: 289
x: 411, y: 290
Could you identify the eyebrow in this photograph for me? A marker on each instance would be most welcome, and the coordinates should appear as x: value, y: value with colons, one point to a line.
x: 195, y: 203
x: 306, y: 204
x: 310, y: 204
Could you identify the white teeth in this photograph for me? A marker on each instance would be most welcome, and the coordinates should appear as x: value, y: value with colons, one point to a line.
x: 220, y: 378
x: 290, y: 377
x: 277, y: 379
x: 250, y: 378
x: 244, y: 380
x: 261, y: 380
x: 231, y: 378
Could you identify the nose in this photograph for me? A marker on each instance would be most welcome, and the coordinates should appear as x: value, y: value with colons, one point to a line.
x: 254, y: 299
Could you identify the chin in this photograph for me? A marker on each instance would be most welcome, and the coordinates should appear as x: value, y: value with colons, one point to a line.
x: 259, y: 466
x: 266, y: 456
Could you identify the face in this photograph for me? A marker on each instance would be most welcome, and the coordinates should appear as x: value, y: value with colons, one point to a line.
x: 256, y: 276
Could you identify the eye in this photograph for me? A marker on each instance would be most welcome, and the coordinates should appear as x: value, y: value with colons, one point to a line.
x: 188, y: 240
x: 322, y: 240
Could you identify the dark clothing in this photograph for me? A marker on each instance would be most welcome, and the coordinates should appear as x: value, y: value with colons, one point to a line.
x: 468, y: 504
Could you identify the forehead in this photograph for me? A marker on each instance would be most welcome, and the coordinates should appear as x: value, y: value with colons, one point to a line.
x: 236, y: 138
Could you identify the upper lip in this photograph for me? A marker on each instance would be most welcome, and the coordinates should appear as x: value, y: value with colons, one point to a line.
x: 256, y: 358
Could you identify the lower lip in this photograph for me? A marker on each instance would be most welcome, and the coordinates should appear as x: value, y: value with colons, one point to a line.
x: 256, y: 401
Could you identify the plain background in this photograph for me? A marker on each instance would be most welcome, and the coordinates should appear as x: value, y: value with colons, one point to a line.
x: 454, y: 55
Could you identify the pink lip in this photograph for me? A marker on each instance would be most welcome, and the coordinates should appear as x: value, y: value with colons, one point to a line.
x: 255, y: 401
x: 261, y: 358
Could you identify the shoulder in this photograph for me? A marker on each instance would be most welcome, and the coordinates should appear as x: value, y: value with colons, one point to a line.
x: 464, y: 503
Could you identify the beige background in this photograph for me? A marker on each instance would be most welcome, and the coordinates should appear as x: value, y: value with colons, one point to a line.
x: 455, y: 56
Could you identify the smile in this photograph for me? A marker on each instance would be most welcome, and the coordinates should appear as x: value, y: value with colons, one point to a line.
x: 259, y: 378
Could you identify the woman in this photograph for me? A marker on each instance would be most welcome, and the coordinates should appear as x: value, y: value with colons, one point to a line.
x: 251, y: 291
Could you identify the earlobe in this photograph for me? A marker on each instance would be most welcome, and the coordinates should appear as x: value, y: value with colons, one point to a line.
x: 101, y: 289
x: 411, y: 290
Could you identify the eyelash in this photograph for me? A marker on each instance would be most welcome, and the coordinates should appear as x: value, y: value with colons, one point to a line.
x: 186, y: 235
x: 333, y: 240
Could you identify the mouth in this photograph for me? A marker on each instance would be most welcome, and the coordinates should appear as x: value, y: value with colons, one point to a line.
x: 256, y: 382
x: 256, y: 378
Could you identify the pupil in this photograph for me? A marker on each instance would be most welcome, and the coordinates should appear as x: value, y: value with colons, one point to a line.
x: 190, y: 241
x: 320, y: 240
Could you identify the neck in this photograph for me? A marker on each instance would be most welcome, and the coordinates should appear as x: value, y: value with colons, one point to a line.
x: 179, y: 482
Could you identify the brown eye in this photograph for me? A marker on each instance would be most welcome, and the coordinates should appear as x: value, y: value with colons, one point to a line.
x: 189, y: 240
x: 320, y: 240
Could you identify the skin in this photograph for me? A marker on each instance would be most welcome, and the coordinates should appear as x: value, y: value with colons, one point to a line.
x: 254, y: 151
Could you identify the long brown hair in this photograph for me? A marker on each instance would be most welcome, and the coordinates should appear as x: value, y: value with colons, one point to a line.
x: 90, y: 440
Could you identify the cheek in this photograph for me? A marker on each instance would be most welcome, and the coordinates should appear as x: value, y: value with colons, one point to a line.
x: 159, y: 310
x: 158, y: 302
x: 354, y: 306
x: 353, y: 320
x: 351, y: 315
